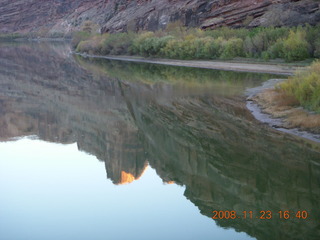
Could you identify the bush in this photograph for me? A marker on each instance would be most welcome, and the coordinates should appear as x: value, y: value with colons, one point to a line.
x: 152, y: 46
x: 305, y: 87
x: 313, y: 38
x: 173, y: 49
x: 196, y: 48
x: 207, y: 48
x: 261, y: 39
x: 92, y: 46
x: 178, y: 42
x: 232, y: 48
x: 316, y: 46
x: 136, y: 47
x: 118, y: 43
x: 84, y: 47
x: 78, y: 37
x: 276, y: 50
x: 295, y: 46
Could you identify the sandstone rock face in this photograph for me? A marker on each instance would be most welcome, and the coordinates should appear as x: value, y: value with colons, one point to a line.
x: 113, y: 16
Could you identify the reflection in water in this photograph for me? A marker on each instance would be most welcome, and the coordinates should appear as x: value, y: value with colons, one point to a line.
x: 190, y: 125
x: 53, y: 191
x: 180, y: 80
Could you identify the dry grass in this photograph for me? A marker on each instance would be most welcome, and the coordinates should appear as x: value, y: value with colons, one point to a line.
x: 305, y: 87
x: 300, y: 118
x: 278, y: 99
x: 280, y: 105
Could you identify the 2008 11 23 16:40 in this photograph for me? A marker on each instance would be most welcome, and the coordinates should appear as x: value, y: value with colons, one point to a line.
x: 260, y: 215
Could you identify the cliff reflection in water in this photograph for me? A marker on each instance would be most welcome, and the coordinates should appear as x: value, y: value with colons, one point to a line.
x: 190, y: 125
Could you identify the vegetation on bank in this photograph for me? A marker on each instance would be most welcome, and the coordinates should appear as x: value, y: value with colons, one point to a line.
x: 178, y: 42
x: 304, y: 87
x: 6, y: 37
x: 9, y: 36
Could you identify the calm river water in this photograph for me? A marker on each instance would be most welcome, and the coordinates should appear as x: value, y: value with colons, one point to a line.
x: 99, y: 149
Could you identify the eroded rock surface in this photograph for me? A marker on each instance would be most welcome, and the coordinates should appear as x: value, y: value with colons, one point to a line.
x: 112, y: 16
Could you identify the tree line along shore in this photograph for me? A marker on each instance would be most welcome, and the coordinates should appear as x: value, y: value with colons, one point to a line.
x: 177, y: 42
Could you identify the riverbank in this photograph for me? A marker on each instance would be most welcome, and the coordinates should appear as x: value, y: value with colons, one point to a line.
x: 274, y: 103
x: 281, y: 69
x: 295, y: 100
x: 282, y: 113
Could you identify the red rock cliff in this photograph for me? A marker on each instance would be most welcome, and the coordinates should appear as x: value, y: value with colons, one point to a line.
x: 112, y: 15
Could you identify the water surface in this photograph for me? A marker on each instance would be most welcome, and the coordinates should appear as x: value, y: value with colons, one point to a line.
x: 105, y: 149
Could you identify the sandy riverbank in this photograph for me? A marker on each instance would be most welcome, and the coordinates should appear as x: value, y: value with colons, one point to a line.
x: 281, y: 69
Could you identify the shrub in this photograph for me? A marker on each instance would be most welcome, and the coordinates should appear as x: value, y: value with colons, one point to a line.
x: 207, y: 48
x: 265, y: 55
x: 178, y: 42
x: 136, y: 47
x: 92, y: 46
x: 261, y: 39
x: 78, y: 37
x: 305, y: 87
x: 173, y: 49
x: 253, y: 46
x: 248, y: 47
x: 313, y: 38
x: 84, y: 47
x: 152, y: 46
x: 232, y: 48
x: 276, y: 50
x: 193, y: 48
x: 316, y: 45
x: 118, y: 43
x: 260, y: 43
x: 271, y: 34
x: 295, y: 46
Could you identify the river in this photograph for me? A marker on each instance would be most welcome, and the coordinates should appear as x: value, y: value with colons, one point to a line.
x: 101, y: 149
